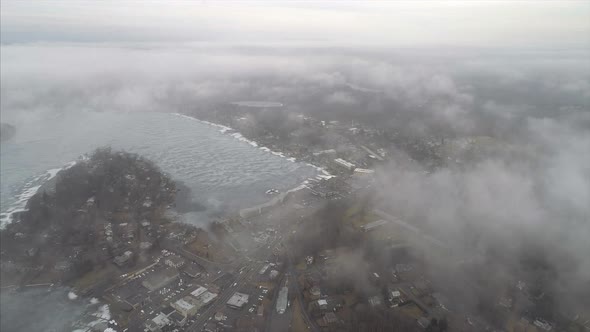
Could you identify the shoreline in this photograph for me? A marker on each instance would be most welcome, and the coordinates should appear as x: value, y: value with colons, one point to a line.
x: 240, y: 137
x: 45, y: 179
x: 29, y: 189
x: 325, y: 175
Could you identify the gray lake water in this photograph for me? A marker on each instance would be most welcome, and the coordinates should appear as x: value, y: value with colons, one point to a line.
x: 223, y: 171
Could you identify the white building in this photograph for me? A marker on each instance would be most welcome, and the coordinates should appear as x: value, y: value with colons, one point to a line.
x: 185, y: 307
x: 282, y: 300
x: 157, y: 323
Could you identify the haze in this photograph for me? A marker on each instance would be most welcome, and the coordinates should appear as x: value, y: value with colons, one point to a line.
x: 449, y: 143
x: 389, y: 24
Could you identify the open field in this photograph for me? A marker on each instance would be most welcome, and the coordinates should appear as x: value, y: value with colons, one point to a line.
x: 298, y: 323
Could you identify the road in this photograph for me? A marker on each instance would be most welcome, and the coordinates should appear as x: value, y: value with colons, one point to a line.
x: 241, y: 279
x: 276, y: 321
x: 207, y: 264
x: 293, y: 271
x: 223, y: 297
x: 252, y: 262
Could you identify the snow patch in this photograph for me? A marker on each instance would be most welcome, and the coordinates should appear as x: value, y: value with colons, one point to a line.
x: 72, y: 296
x: 30, y: 189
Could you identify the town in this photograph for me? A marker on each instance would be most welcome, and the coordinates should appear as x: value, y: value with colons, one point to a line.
x: 320, y: 257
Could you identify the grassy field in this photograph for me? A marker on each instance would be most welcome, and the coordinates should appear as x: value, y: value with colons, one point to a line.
x: 514, y: 324
x: 298, y: 323
x: 350, y: 299
x: 411, y: 310
x: 94, y: 277
x: 358, y: 215
x: 302, y: 266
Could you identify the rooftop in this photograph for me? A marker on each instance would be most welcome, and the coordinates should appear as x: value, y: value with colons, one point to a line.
x: 184, y: 305
x: 207, y: 297
x: 238, y: 300
x: 161, y: 320
x: 197, y: 292
x: 282, y: 301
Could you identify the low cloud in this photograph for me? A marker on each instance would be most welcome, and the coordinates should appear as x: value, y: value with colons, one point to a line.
x: 529, y: 200
x: 341, y: 99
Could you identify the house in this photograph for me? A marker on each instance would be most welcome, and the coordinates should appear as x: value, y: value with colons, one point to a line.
x: 322, y: 304
x: 123, y: 259
x: 395, y: 298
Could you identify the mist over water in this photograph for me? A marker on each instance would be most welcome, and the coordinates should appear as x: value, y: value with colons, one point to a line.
x: 222, y: 172
x: 52, y: 311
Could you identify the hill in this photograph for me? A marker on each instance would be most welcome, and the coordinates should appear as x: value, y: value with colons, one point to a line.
x: 88, y: 215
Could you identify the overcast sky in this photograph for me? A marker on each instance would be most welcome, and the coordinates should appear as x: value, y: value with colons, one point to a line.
x: 556, y: 24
